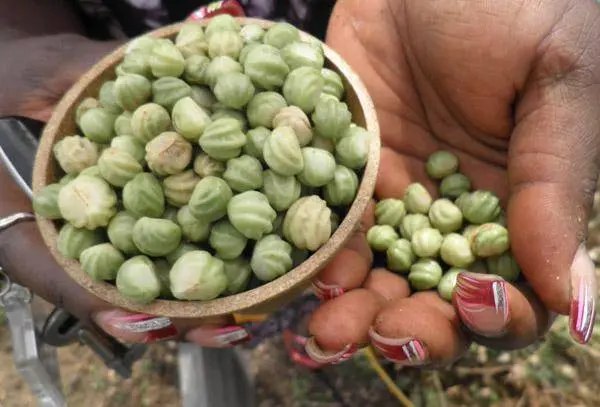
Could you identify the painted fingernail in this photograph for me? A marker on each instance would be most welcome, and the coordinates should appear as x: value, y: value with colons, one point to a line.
x: 222, y: 337
x: 403, y: 351
x: 584, y: 290
x: 326, y: 292
x: 133, y: 327
x: 295, y: 345
x: 314, y: 351
x: 482, y: 303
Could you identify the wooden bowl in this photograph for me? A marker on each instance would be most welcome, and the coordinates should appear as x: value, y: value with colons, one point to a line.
x: 262, y: 299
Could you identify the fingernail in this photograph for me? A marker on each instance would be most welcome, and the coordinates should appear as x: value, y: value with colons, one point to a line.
x: 295, y: 345
x: 222, y: 337
x: 482, y: 303
x: 314, y: 351
x: 583, y: 296
x: 133, y: 327
x: 403, y: 351
x: 326, y: 292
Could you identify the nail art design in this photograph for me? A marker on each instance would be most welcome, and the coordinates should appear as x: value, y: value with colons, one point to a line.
x: 326, y: 292
x: 295, y: 345
x: 314, y: 351
x: 231, y: 336
x: 403, y: 351
x: 583, y: 297
x: 482, y: 303
x: 156, y: 328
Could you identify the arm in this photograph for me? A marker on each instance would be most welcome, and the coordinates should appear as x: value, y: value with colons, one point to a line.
x: 27, y: 18
x: 46, y: 52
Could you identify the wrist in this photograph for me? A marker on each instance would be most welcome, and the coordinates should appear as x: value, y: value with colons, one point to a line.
x: 13, y: 198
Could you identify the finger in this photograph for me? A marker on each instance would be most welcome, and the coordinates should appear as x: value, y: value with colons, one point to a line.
x: 420, y: 330
x: 553, y: 170
x: 388, y: 285
x: 340, y: 326
x: 350, y: 266
x: 132, y: 327
x: 498, y: 314
x: 397, y: 171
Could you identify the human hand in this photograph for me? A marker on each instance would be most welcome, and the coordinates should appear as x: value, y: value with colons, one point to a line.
x: 27, y: 261
x: 512, y: 89
x: 41, y: 69
x: 34, y: 79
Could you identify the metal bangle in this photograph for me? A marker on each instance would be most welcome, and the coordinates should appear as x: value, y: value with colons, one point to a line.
x: 5, y: 223
x: 14, y: 219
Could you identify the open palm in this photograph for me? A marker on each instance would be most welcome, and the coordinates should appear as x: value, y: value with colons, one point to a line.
x: 512, y: 89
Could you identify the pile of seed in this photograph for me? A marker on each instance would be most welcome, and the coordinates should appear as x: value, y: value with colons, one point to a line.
x: 434, y: 240
x: 210, y: 164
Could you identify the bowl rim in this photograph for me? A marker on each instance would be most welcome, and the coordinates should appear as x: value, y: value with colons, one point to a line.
x: 236, y: 303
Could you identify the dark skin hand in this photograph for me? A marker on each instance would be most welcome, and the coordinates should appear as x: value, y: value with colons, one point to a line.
x: 513, y: 89
x: 510, y: 87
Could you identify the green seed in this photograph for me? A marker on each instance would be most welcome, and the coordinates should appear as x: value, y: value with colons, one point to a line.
x: 400, y: 256
x: 227, y: 241
x: 137, y: 279
x: 381, y: 237
x: 479, y: 206
x: 238, y: 274
x: 427, y: 242
x: 504, y: 266
x: 120, y: 232
x: 75, y: 153
x: 425, y: 274
x: 192, y: 228
x: 453, y: 185
x: 271, y: 258
x: 441, y: 164
x: 101, y: 262
x: 182, y: 249
x: 448, y: 283
x: 490, y: 239
x: 413, y: 222
x: 445, y: 216
x: 45, y: 202
x: 390, y: 212
x: 417, y: 199
x: 456, y: 251
x: 198, y: 276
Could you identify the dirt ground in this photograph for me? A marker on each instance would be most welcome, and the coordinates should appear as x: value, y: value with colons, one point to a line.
x: 554, y: 372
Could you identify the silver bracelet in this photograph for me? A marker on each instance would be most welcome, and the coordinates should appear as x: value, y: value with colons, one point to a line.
x: 5, y: 284
x: 12, y: 220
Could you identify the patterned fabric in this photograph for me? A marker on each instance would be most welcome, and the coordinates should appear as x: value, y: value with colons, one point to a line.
x: 129, y: 18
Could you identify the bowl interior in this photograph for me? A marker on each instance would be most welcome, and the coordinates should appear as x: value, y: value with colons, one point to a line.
x: 260, y: 299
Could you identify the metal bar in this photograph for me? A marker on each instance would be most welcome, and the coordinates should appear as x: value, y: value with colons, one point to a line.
x: 213, y: 378
x: 27, y: 358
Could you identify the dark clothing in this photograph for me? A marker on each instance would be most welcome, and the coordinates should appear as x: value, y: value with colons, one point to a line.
x: 106, y: 19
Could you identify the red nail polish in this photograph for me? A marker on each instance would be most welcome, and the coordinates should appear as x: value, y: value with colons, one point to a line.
x: 231, y: 336
x: 482, y: 303
x: 326, y: 292
x: 314, y: 351
x: 583, y: 297
x: 403, y: 351
x: 295, y: 347
x: 156, y: 328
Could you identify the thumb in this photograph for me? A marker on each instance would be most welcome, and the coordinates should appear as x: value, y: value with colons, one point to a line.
x: 553, y: 168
